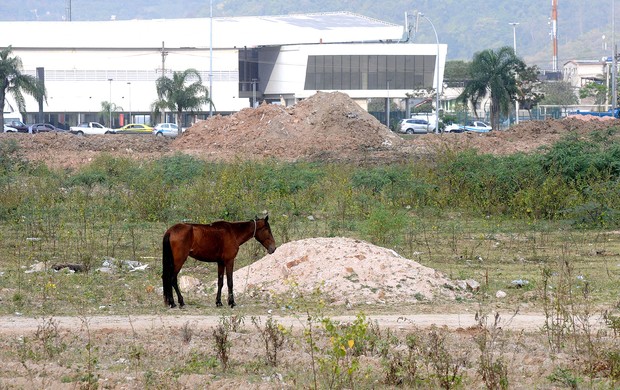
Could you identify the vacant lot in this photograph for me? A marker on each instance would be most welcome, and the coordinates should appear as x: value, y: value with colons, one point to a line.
x: 468, y: 300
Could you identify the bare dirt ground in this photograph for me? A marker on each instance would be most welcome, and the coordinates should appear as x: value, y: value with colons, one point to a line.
x: 325, y: 127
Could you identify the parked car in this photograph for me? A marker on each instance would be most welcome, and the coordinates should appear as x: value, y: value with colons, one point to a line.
x: 166, y: 129
x: 16, y: 124
x: 90, y: 128
x: 477, y: 127
x: 44, y: 128
x: 414, y: 126
x: 454, y: 128
x: 135, y: 128
x: 9, y: 129
x: 473, y: 126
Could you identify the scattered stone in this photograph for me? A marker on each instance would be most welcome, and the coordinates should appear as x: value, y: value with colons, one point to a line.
x: 189, y: 283
x: 111, y: 264
x: 468, y: 285
x: 71, y: 267
x: 518, y: 283
x: 36, y: 267
x: 500, y: 294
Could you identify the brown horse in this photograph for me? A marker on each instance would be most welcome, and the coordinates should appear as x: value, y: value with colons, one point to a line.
x: 216, y: 242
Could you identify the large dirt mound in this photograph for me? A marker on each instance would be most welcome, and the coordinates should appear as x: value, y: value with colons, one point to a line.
x: 349, y: 271
x: 326, y: 126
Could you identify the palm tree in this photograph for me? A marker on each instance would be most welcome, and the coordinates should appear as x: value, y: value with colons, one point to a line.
x: 184, y: 91
x: 494, y: 73
x: 107, y: 109
x: 15, y: 83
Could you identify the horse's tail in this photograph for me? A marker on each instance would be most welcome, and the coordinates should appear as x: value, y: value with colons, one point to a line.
x: 167, y: 263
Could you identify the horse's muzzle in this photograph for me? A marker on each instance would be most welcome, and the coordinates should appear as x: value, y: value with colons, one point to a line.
x: 271, y: 249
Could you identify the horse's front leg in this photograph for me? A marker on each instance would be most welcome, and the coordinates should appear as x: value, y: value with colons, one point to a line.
x: 229, y: 283
x: 220, y: 283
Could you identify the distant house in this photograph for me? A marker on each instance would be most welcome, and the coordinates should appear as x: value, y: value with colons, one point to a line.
x: 581, y: 72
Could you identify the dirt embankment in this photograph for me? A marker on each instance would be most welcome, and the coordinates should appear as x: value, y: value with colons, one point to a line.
x: 324, y: 127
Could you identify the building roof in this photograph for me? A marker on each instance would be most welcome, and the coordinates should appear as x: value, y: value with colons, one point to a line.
x: 228, y: 32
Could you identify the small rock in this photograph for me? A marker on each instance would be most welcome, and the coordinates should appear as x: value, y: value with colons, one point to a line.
x: 189, y: 283
x: 520, y: 282
x: 472, y: 285
x: 500, y: 294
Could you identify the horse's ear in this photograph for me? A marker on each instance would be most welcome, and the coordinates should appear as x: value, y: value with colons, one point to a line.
x: 267, y: 218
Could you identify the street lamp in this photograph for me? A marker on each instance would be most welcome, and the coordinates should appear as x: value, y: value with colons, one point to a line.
x: 210, y: 58
x: 110, y: 105
x: 436, y: 74
x: 514, y: 45
x: 129, y: 84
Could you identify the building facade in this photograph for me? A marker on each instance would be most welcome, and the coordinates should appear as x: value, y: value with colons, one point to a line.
x: 243, y: 61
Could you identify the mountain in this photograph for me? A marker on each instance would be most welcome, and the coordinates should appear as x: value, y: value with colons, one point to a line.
x: 467, y: 26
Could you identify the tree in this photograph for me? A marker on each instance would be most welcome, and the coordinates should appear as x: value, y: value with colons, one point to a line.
x: 530, y: 93
x: 184, y: 91
x: 107, y: 110
x: 493, y: 73
x: 558, y: 93
x: 596, y: 90
x: 456, y: 71
x: 15, y: 83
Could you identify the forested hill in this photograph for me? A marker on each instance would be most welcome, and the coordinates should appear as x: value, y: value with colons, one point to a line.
x: 467, y: 26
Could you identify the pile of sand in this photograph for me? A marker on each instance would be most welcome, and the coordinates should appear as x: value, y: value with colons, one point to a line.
x: 348, y: 271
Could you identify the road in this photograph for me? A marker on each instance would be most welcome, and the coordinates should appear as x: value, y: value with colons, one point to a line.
x: 17, y: 324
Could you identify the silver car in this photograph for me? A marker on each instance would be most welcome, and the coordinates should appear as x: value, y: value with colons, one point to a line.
x: 414, y: 126
x: 166, y: 130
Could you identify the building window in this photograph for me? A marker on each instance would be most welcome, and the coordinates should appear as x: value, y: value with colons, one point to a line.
x: 369, y: 72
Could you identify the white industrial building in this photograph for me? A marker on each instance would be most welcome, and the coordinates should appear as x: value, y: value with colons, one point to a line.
x: 246, y: 60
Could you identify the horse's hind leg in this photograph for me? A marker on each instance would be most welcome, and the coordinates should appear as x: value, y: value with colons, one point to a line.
x: 229, y: 283
x: 220, y: 284
x: 175, y: 284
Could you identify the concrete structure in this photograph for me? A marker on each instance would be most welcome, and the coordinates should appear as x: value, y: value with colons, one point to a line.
x: 581, y: 72
x: 272, y: 58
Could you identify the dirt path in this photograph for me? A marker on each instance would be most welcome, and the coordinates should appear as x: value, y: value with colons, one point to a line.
x: 528, y: 322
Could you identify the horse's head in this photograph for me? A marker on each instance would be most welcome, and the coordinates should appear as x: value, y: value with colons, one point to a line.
x: 263, y: 234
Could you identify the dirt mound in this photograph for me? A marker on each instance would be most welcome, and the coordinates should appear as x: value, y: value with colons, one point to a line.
x: 526, y: 137
x: 326, y: 126
x: 347, y: 270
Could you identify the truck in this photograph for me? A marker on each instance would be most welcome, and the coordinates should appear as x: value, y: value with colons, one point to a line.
x: 615, y: 113
x: 90, y: 128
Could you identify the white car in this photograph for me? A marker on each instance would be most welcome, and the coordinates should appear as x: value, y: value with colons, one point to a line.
x: 472, y: 126
x: 166, y: 129
x: 9, y: 129
x: 415, y: 126
x: 90, y: 128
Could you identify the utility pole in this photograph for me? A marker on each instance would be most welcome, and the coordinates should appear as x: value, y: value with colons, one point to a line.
x: 514, y: 43
x: 554, y: 33
x: 614, y: 58
x: 210, y: 58
x: 164, y: 53
x: 68, y: 11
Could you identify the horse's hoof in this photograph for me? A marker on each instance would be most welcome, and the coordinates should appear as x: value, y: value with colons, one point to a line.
x: 218, y: 304
x: 172, y: 305
x: 232, y: 305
